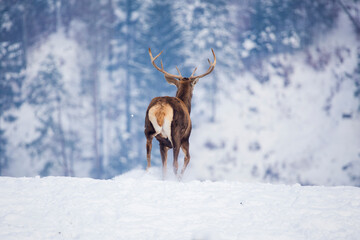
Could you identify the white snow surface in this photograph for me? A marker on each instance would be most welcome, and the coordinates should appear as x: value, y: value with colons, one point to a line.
x: 139, y: 205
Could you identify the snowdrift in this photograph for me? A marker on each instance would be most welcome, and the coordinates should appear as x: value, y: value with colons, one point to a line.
x: 139, y: 205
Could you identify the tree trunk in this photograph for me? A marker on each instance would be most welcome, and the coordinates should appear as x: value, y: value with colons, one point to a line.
x: 24, y: 35
x: 98, y: 163
x: 128, y: 71
x: 213, y: 98
x: 62, y: 138
x: 352, y: 19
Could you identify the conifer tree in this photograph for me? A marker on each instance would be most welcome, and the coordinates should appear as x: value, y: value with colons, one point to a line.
x: 12, y: 66
x: 48, y: 96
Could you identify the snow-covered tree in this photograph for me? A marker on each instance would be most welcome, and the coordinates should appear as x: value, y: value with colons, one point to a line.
x: 47, y: 94
x: 12, y: 65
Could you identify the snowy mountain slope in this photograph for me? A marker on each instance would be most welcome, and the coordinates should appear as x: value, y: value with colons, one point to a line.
x: 301, y: 126
x: 138, y: 205
x: 282, y: 105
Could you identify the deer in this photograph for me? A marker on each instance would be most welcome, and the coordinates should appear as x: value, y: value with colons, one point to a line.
x: 168, y: 118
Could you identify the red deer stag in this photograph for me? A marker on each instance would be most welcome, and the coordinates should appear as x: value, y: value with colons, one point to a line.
x: 168, y: 118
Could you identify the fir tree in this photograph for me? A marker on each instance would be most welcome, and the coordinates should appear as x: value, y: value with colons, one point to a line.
x: 47, y: 94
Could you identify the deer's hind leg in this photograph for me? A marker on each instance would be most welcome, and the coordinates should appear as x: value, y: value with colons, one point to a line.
x: 163, y: 152
x: 176, y: 150
x: 148, y: 151
x: 185, y: 148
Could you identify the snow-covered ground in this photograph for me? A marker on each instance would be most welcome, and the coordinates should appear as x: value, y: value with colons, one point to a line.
x: 139, y: 205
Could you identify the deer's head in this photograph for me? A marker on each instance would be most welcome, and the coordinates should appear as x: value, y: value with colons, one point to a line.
x: 182, y: 83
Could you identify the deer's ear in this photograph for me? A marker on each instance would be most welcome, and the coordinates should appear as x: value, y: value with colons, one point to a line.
x: 172, y: 81
x: 195, y: 81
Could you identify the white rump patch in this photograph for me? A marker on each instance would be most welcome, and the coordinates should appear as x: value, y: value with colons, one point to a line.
x: 165, y: 112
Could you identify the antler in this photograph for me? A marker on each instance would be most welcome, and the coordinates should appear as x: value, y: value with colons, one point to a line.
x: 162, y: 67
x: 211, y: 68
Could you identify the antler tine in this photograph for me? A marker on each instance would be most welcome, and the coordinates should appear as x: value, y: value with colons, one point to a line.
x: 178, y: 71
x: 210, y: 69
x: 162, y: 67
x: 193, y: 72
x: 151, y: 56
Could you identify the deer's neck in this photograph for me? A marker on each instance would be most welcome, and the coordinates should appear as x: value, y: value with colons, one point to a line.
x: 184, y: 93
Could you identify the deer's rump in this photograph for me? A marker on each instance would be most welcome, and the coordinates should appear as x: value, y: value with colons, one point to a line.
x: 164, y: 113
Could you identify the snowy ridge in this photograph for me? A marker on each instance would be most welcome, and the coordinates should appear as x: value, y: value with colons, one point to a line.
x: 138, y: 205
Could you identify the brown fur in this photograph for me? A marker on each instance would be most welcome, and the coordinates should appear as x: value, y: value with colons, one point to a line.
x: 160, y: 117
x: 180, y: 126
x: 180, y: 106
x: 181, y: 117
x: 161, y: 111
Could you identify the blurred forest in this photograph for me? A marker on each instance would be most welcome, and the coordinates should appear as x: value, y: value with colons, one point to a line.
x: 75, y: 81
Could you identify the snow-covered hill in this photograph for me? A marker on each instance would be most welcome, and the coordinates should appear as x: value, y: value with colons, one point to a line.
x: 293, y: 117
x: 138, y: 205
x: 304, y: 131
